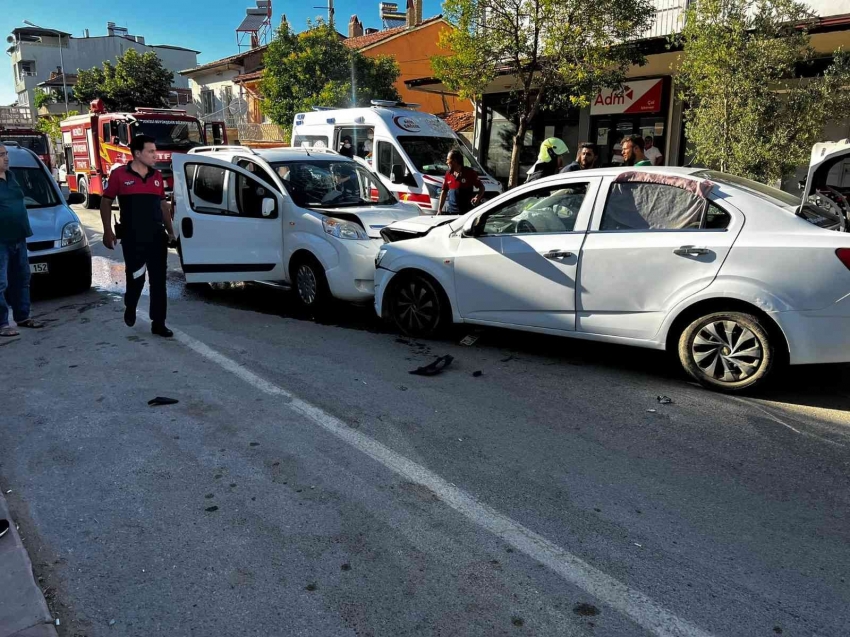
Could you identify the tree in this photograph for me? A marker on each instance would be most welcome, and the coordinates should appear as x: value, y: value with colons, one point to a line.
x: 315, y: 68
x: 50, y: 126
x: 134, y: 80
x: 751, y: 112
x: 43, y: 98
x: 554, y: 52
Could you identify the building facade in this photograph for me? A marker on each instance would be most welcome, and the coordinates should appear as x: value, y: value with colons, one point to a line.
x: 648, y: 105
x: 35, y: 58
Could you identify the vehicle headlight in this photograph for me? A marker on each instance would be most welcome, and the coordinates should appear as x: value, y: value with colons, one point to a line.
x: 433, y: 191
x: 72, y: 233
x: 381, y: 254
x: 342, y: 229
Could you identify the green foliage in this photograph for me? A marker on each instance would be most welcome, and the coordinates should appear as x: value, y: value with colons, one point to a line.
x: 751, y: 113
x: 315, y: 68
x: 50, y: 125
x: 553, y: 53
x: 43, y: 98
x: 135, y: 80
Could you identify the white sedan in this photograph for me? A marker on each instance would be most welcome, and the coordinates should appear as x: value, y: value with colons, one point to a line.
x: 733, y: 276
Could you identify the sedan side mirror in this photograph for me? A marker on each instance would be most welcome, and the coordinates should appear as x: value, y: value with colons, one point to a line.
x: 470, y: 228
x: 269, y: 206
x: 75, y: 198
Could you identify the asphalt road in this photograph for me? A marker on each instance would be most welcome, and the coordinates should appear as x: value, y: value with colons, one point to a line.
x: 307, y: 484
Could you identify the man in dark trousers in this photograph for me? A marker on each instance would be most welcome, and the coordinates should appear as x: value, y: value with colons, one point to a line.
x: 459, y: 187
x: 145, y: 218
x: 14, y: 260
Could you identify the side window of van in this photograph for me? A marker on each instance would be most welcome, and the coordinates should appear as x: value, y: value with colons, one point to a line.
x: 387, y: 157
x: 313, y: 141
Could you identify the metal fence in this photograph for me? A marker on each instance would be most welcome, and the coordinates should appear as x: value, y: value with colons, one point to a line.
x: 669, y: 18
x: 261, y: 133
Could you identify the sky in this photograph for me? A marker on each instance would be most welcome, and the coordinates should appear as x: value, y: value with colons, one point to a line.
x: 213, y: 33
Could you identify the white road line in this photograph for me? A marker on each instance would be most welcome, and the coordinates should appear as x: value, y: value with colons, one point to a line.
x: 617, y: 595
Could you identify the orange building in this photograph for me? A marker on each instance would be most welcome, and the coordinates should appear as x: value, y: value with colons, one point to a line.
x: 412, y: 45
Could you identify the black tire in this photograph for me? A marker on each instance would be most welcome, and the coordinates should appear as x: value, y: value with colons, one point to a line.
x: 81, y: 280
x: 309, y: 283
x: 727, y: 351
x: 92, y: 201
x: 417, y: 306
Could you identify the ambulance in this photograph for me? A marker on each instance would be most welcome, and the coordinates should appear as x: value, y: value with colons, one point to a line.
x: 405, y: 147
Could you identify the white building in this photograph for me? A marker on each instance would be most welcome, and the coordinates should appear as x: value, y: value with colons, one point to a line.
x: 35, y: 56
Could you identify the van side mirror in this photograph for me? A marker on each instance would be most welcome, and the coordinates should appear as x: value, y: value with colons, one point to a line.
x: 397, y: 172
x: 269, y: 206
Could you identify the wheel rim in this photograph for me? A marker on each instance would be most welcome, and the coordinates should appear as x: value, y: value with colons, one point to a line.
x: 416, y: 306
x: 727, y: 351
x: 305, y: 281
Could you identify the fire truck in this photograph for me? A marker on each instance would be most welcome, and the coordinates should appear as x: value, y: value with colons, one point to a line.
x: 95, y: 143
x: 17, y: 124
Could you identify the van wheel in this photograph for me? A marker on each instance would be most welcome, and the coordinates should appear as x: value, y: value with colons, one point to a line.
x: 92, y: 201
x: 727, y: 351
x: 417, y: 306
x: 310, y: 283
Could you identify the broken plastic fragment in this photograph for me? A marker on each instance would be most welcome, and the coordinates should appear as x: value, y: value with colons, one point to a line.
x: 162, y: 400
x: 469, y: 339
x: 664, y: 400
x: 434, y: 368
x: 477, y: 373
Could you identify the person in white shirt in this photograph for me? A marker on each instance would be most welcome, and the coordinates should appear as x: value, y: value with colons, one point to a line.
x: 367, y: 145
x: 652, y: 153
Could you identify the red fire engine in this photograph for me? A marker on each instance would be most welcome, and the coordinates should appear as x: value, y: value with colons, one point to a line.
x: 17, y: 124
x: 94, y: 144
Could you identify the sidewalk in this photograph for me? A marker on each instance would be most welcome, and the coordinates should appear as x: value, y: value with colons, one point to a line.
x: 23, y: 610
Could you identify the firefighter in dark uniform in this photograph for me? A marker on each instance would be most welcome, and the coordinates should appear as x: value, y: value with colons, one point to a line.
x: 144, y: 230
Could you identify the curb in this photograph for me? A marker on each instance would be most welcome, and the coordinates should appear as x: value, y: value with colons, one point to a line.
x: 23, y: 609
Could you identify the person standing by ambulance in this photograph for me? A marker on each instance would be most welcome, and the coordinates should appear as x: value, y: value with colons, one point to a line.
x: 458, y: 194
x: 145, y: 219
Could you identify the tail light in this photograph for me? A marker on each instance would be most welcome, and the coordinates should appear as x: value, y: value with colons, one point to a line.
x: 844, y: 256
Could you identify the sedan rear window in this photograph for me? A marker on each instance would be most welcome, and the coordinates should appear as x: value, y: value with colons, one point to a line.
x: 38, y: 189
x: 773, y: 195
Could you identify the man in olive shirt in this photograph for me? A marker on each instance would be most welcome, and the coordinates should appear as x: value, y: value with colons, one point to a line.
x: 14, y: 261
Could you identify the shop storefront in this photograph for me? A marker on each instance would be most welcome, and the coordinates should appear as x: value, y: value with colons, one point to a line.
x: 641, y: 108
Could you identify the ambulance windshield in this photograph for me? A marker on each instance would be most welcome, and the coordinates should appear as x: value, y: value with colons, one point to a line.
x: 428, y: 154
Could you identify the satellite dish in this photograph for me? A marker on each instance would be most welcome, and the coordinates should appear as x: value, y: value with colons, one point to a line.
x: 237, y: 106
x: 10, y: 39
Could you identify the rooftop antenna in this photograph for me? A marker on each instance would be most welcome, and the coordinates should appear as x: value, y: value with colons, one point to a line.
x: 330, y: 7
x: 256, y: 27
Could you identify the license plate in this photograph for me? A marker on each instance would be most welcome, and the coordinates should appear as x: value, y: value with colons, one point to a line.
x: 38, y: 268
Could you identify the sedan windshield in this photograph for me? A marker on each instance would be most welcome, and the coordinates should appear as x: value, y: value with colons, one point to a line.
x: 332, y: 184
x: 38, y: 189
x: 428, y: 154
x: 170, y: 134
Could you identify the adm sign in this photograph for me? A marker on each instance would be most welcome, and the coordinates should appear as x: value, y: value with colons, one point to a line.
x: 643, y: 96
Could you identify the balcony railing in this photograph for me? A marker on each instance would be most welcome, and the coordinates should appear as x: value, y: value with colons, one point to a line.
x: 669, y: 18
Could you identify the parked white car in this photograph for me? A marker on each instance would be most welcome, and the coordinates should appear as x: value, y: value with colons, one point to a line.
x: 305, y: 218
x: 733, y: 276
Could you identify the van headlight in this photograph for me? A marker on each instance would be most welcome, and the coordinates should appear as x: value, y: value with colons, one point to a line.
x: 342, y: 229
x: 72, y: 233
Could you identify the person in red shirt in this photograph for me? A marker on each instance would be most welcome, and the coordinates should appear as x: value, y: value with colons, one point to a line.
x: 145, y: 219
x: 458, y: 187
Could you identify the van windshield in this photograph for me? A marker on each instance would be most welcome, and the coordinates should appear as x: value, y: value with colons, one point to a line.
x: 428, y: 154
x: 38, y: 189
x: 170, y: 134
x: 332, y: 184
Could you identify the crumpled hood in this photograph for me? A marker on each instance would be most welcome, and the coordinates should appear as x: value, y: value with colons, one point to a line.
x: 47, y: 223
x: 415, y: 227
x: 374, y: 218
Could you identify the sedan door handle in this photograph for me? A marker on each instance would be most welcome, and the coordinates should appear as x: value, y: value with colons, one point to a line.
x: 691, y: 251
x: 557, y: 254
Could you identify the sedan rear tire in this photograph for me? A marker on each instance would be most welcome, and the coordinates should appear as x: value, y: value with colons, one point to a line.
x: 727, y: 351
x: 417, y: 306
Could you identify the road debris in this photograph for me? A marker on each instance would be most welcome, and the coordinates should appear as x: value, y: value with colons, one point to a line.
x: 652, y: 411
x: 434, y: 368
x: 664, y: 400
x: 477, y: 373
x: 469, y: 339
x: 162, y: 400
